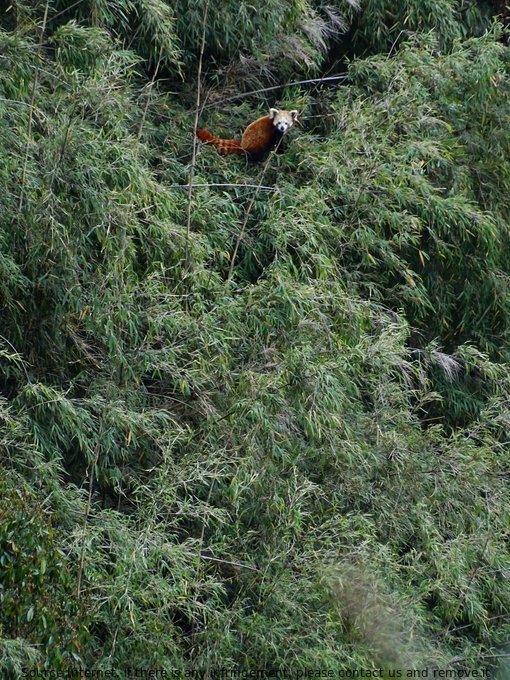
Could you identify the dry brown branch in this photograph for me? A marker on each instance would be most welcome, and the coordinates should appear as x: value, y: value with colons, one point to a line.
x: 31, y: 113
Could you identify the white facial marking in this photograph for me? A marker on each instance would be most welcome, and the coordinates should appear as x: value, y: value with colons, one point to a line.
x: 283, y: 120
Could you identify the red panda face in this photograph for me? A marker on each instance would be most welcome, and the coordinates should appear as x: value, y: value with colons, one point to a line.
x: 283, y: 120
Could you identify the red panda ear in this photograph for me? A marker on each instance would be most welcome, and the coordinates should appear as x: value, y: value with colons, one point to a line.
x: 273, y: 113
x: 294, y: 114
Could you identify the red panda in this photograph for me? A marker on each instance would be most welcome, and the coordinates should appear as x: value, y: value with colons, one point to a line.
x: 259, y: 137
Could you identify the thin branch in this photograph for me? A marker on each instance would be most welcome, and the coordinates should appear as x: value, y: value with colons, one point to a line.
x: 63, y: 147
x: 277, y: 87
x: 149, y: 88
x: 246, y: 217
x: 394, y: 43
x: 85, y: 522
x: 214, y: 184
x: 504, y: 655
x: 234, y: 564
x: 49, y: 401
x: 470, y: 625
x: 194, y: 150
x: 472, y: 578
x: 200, y: 555
x: 67, y: 9
x: 18, y: 356
x: 31, y: 113
x: 16, y: 101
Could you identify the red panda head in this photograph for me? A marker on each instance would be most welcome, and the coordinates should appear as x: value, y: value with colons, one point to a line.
x: 283, y: 120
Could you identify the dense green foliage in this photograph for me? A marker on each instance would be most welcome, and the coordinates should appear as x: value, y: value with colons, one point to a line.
x: 262, y: 424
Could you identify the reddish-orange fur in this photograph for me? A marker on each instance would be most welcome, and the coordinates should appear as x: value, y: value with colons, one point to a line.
x: 224, y: 146
x: 259, y: 137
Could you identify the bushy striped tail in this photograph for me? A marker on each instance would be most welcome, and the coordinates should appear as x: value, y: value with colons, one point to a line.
x: 223, y: 146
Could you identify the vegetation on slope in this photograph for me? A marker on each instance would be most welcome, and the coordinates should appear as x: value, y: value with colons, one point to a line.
x: 295, y: 457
